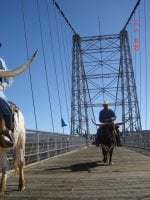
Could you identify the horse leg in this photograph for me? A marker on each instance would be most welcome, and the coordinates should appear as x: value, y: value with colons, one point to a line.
x: 4, y: 166
x: 21, y: 186
x: 19, y: 164
x: 3, y: 180
x: 110, y: 156
x: 104, y: 155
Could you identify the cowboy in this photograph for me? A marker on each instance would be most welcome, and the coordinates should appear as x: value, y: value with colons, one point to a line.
x: 105, y: 115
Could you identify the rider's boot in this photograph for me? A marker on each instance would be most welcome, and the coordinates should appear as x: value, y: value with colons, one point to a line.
x: 6, y: 138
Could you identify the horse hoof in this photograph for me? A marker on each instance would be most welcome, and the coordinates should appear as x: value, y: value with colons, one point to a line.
x: 111, y: 163
x: 21, y: 188
x: 105, y: 160
x: 2, y: 189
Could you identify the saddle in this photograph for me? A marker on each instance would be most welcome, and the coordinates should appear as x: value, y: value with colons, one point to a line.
x: 6, y: 138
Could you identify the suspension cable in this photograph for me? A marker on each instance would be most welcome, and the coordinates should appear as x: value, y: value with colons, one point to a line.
x: 65, y: 18
x: 63, y: 70
x: 45, y: 66
x: 54, y: 62
x: 145, y: 67
x: 30, y: 76
x: 61, y: 65
x: 68, y: 35
x: 140, y: 58
x: 103, y: 91
x: 135, y: 57
x: 118, y: 79
x: 137, y: 4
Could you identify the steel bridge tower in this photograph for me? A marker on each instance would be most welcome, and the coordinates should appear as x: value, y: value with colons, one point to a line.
x: 102, y: 70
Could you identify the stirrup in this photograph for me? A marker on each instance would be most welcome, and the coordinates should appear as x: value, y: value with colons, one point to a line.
x: 6, y: 140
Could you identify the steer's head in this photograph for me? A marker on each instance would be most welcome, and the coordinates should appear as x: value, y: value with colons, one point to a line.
x: 109, y: 123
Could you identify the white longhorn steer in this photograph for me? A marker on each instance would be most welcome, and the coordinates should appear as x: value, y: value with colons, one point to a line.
x: 18, y: 137
x: 18, y: 149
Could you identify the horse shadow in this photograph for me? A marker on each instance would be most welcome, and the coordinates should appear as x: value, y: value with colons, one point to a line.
x: 87, y: 166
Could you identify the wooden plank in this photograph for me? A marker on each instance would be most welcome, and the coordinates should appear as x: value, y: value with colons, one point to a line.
x: 82, y: 175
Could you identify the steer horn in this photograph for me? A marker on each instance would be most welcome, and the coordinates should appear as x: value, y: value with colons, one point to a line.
x: 121, y: 123
x: 98, y: 124
x: 18, y: 70
x: 102, y: 124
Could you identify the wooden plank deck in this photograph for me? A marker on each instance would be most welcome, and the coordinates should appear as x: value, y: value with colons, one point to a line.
x: 82, y: 175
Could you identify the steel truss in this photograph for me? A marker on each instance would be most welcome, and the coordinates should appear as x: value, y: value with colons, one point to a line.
x: 102, y: 70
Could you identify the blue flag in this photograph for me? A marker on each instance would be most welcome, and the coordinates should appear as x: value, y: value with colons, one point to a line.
x: 63, y: 123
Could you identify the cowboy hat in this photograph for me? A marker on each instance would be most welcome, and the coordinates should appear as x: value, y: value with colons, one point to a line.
x: 104, y: 103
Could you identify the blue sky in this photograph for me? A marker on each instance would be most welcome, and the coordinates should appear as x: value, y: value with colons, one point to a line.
x: 29, y: 24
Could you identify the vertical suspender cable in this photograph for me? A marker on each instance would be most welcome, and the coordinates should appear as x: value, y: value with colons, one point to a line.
x: 135, y: 52
x: 145, y: 66
x: 118, y: 79
x: 68, y: 35
x: 60, y: 62
x: 38, y: 148
x: 140, y: 73
x: 63, y: 39
x: 131, y: 36
x: 99, y: 26
x: 45, y: 66
x: 54, y: 63
x: 67, y: 21
x: 27, y: 50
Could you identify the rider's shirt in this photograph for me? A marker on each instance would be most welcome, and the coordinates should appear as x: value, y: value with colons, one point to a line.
x: 106, y: 114
x: 6, y: 81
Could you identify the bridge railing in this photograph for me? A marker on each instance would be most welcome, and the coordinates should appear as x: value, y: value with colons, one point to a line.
x: 138, y: 139
x: 42, y: 145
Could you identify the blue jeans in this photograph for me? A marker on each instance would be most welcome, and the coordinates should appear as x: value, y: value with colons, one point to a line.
x: 6, y: 111
x: 98, y: 136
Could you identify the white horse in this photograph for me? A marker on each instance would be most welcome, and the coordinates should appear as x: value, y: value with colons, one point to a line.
x: 18, y: 136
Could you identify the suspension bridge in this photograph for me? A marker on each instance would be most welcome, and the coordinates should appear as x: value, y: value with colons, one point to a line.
x: 71, y: 76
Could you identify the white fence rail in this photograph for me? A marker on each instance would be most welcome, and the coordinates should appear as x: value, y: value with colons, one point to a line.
x: 42, y: 145
x: 138, y: 140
